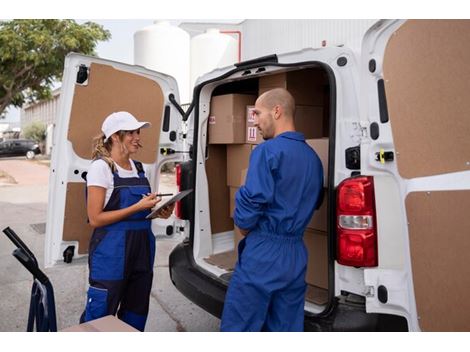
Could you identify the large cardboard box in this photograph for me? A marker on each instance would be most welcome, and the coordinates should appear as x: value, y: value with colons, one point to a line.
x: 309, y: 121
x: 238, y: 159
x: 233, y: 190
x: 306, y: 86
x: 320, y: 217
x: 216, y: 170
x: 108, y: 323
x: 317, y: 267
x: 227, y: 118
x: 321, y: 145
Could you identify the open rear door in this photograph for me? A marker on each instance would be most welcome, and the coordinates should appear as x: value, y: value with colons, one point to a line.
x: 416, y: 79
x: 92, y: 89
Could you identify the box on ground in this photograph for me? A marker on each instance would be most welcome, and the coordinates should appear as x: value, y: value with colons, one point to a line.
x: 317, y: 267
x: 227, y: 118
x: 109, y: 323
x: 216, y: 171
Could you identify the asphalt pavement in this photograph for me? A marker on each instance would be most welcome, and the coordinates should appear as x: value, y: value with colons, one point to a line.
x: 23, y: 207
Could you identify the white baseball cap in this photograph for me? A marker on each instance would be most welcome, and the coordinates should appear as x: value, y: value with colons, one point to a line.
x: 121, y: 121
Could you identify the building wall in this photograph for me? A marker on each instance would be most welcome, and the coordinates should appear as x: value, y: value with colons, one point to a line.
x: 43, y: 111
x: 265, y: 37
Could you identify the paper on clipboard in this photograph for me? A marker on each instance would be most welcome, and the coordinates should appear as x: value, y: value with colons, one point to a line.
x: 170, y: 201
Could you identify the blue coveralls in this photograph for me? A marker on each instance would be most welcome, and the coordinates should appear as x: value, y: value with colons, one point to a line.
x: 282, y: 188
x: 121, y: 257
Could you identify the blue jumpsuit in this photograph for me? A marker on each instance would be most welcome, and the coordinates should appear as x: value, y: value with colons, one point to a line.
x: 121, y: 257
x: 282, y: 188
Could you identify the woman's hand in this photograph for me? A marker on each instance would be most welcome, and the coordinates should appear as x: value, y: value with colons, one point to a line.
x: 166, y: 212
x: 148, y: 201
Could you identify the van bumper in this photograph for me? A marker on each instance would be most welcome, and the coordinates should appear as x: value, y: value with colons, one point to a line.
x: 208, y: 292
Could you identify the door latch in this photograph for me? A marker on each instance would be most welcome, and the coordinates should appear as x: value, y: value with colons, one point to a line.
x: 384, y: 156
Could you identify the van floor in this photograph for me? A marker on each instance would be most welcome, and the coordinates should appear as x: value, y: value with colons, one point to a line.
x: 227, y: 261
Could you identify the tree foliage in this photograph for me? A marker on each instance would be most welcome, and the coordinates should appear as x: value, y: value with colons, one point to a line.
x: 36, y: 130
x: 32, y: 54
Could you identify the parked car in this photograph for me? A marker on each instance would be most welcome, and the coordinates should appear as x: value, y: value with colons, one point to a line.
x: 389, y: 246
x: 16, y: 147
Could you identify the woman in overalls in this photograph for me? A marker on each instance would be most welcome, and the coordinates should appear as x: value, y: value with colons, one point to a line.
x: 122, y: 247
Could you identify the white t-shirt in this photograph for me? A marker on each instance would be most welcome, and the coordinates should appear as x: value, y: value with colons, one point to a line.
x: 100, y: 174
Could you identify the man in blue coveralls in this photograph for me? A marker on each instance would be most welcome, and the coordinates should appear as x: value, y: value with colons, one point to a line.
x: 283, y: 185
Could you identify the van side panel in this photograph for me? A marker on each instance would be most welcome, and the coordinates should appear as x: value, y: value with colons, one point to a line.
x: 440, y: 245
x: 427, y: 80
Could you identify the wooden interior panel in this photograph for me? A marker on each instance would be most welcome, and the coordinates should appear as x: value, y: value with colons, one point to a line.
x: 427, y: 80
x: 76, y: 227
x: 440, y: 245
x: 110, y: 90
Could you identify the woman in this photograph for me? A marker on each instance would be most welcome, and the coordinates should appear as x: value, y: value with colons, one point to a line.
x: 122, y: 247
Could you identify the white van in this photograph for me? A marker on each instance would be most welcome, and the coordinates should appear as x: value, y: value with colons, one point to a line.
x: 394, y: 251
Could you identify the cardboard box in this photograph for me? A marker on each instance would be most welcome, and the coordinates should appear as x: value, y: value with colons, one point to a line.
x: 309, y: 121
x: 216, y: 171
x: 321, y: 145
x: 238, y: 159
x: 109, y: 323
x: 317, y: 267
x: 227, y: 118
x: 252, y: 134
x: 320, y: 216
x: 306, y: 86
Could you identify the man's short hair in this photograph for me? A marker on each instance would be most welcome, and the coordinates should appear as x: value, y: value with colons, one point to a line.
x: 279, y: 96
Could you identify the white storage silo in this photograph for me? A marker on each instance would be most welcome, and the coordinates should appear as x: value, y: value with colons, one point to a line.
x: 165, y: 48
x: 211, y: 50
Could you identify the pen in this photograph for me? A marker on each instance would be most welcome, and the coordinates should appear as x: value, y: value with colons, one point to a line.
x: 159, y: 195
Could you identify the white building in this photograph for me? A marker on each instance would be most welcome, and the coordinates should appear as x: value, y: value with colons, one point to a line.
x: 255, y: 37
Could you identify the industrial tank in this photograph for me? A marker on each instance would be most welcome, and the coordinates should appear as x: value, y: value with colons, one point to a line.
x: 165, y: 48
x: 211, y: 50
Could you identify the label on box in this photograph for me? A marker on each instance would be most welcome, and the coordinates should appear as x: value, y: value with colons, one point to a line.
x: 251, y: 114
x: 211, y: 120
x: 251, y: 134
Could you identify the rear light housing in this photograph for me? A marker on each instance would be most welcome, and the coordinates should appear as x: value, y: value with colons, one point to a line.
x: 356, y: 223
x: 178, y: 183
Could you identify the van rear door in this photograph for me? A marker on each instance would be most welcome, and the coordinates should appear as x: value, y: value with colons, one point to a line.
x: 416, y: 81
x: 93, y: 88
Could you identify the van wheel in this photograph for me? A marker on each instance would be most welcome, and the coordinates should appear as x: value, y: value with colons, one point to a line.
x: 30, y: 155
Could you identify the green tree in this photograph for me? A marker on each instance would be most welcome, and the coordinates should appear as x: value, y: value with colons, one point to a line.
x: 32, y: 54
x: 36, y: 131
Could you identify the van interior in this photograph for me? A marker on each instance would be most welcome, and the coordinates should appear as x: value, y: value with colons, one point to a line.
x: 231, y: 139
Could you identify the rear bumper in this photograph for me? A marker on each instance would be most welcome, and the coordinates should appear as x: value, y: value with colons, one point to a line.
x: 208, y: 293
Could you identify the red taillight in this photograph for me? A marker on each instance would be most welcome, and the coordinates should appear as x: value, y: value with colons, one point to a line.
x: 356, y: 222
x: 178, y: 183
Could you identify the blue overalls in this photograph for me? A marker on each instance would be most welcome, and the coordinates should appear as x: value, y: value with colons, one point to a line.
x: 121, y: 257
x: 282, y: 188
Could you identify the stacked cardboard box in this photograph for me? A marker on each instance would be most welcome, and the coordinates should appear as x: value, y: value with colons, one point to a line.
x: 109, y: 323
x: 227, y: 118
x: 306, y: 86
x: 308, y: 89
x: 317, y: 267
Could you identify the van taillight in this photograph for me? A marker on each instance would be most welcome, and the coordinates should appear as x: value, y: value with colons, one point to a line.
x: 178, y: 183
x: 356, y: 222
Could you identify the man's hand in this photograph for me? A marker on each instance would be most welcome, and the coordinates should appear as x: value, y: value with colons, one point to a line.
x: 243, y: 232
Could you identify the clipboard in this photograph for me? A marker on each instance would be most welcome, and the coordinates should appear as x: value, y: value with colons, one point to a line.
x: 170, y: 201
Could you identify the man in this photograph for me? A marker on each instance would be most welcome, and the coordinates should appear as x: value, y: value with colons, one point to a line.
x: 283, y: 185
